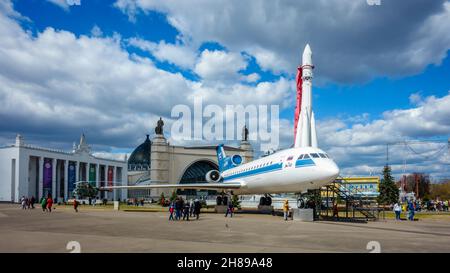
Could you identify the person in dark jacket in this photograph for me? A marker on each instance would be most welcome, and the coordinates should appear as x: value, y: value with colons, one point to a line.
x: 197, y: 207
x: 178, y: 208
x: 32, y: 201
x: 187, y: 206
x: 229, y: 209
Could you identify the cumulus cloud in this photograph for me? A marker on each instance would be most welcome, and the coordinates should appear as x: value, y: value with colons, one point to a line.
x: 57, y: 84
x: 360, y: 147
x: 180, y: 55
x: 60, y: 3
x: 394, y: 39
x: 218, y: 65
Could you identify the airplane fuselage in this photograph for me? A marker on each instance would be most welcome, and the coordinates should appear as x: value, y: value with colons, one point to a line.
x: 287, y: 171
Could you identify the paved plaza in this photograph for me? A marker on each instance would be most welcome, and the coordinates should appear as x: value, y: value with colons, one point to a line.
x: 105, y: 230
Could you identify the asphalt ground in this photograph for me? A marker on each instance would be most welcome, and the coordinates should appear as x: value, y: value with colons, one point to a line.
x: 106, y: 230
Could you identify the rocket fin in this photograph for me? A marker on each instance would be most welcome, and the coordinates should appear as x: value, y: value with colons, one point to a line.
x: 298, y: 135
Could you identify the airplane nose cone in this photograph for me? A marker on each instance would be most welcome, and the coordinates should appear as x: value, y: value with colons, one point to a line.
x: 332, y: 170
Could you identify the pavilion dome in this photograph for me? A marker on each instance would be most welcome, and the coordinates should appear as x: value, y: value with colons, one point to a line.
x: 140, y: 157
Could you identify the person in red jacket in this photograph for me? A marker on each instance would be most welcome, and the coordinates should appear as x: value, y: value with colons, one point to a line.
x: 75, y: 205
x: 49, y: 203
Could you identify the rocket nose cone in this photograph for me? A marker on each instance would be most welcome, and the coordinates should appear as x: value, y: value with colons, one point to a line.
x: 307, y: 55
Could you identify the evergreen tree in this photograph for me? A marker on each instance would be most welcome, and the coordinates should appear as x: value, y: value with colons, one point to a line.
x: 162, y: 199
x: 236, y: 202
x: 388, y: 190
x: 174, y: 196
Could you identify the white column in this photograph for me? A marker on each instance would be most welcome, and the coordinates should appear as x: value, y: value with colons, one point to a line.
x: 87, y: 172
x: 114, y: 182
x: 54, y: 161
x: 41, y: 177
x: 66, y: 179
x: 105, y: 182
x: 97, y: 175
x: 77, y: 172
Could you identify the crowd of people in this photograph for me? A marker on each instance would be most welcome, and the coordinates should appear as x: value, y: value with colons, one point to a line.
x: 45, y: 202
x: 27, y: 203
x: 180, y: 209
x: 411, y: 207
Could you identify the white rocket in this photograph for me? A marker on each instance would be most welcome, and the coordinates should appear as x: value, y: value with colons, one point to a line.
x: 306, y: 128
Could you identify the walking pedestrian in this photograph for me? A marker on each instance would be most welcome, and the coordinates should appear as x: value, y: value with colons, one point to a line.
x: 178, y: 208
x: 49, y: 203
x: 171, y: 210
x: 398, y: 211
x: 191, y: 209
x: 75, y: 205
x: 187, y: 206
x: 23, y: 202
x: 32, y: 201
x: 197, y: 207
x: 44, y: 204
x: 286, y: 209
x: 229, y: 209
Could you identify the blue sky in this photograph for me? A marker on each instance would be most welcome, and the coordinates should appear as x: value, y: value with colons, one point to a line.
x: 381, y: 72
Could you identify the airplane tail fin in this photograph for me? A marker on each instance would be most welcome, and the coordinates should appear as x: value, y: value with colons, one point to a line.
x: 221, y: 157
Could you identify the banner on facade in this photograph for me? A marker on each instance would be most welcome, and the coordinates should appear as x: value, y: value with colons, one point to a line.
x: 110, y: 176
x: 47, y: 179
x: 71, y: 178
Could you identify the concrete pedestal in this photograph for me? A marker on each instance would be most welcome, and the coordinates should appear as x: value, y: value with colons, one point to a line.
x: 221, y: 208
x: 305, y: 215
x: 116, y: 205
x: 265, y: 209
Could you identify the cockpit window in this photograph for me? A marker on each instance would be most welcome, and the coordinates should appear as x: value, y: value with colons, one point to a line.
x: 306, y: 156
x: 322, y: 155
x: 301, y: 156
x: 315, y: 155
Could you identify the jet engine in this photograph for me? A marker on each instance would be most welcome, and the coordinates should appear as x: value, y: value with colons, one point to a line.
x: 236, y: 160
x: 213, y: 176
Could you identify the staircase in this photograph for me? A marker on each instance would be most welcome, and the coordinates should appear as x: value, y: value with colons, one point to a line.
x: 356, y: 199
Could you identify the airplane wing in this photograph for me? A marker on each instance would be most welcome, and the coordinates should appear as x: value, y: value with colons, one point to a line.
x: 194, y: 186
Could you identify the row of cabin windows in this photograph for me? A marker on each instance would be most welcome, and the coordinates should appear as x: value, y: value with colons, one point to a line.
x: 313, y: 155
x: 303, y: 156
x: 252, y: 168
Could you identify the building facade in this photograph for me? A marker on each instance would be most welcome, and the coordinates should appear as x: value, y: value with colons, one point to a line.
x: 26, y: 170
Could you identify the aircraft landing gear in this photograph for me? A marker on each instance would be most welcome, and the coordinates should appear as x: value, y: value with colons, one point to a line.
x: 302, y: 201
x: 265, y: 200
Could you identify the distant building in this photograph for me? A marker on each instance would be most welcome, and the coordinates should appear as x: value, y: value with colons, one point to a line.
x: 26, y: 170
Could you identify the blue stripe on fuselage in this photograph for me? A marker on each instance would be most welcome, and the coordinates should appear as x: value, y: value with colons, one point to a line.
x: 274, y: 167
x: 270, y: 168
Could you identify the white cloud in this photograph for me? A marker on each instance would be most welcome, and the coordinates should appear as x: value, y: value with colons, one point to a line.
x: 218, y: 65
x: 65, y: 84
x: 96, y: 31
x: 180, y: 55
x: 361, y: 147
x: 339, y: 31
x: 60, y: 3
x: 253, y: 77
